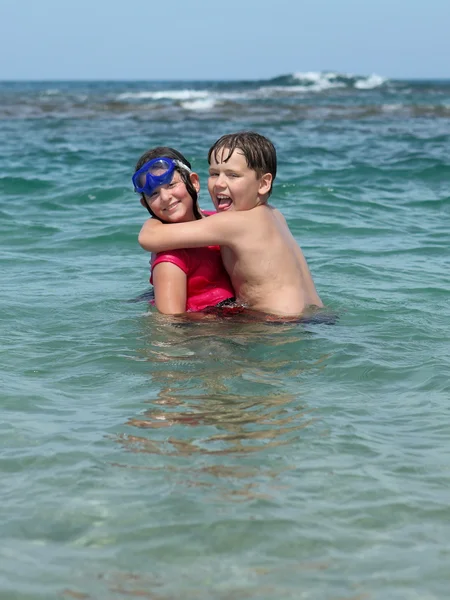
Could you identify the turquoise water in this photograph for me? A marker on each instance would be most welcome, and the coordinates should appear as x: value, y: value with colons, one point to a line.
x: 143, y: 456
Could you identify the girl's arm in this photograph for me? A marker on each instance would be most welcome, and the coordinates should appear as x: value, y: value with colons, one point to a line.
x: 169, y: 283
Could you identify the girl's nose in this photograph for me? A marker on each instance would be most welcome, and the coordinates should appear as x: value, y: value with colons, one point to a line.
x: 165, y: 194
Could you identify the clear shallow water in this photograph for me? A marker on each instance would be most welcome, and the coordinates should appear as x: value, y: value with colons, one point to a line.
x: 147, y: 457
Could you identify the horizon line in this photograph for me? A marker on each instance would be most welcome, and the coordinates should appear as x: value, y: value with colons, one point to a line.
x: 208, y: 80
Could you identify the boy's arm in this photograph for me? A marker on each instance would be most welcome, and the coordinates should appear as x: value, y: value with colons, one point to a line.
x: 223, y: 229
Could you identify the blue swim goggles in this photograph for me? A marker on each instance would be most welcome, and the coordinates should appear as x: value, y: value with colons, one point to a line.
x: 155, y: 173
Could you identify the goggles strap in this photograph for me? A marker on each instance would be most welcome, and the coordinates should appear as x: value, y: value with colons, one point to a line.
x: 182, y: 165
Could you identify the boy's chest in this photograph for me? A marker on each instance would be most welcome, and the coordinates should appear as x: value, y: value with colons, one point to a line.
x: 239, y: 273
x: 229, y: 260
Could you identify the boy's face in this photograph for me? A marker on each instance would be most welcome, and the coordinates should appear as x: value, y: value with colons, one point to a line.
x: 233, y: 185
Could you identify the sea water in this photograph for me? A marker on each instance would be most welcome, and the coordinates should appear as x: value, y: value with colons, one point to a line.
x: 143, y: 456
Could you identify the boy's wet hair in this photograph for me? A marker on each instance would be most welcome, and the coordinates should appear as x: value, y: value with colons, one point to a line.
x: 167, y: 152
x: 259, y: 151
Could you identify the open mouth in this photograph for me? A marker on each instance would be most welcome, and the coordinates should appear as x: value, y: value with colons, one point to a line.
x: 223, y: 202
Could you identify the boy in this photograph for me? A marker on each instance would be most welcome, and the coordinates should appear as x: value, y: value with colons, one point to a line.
x: 267, y: 268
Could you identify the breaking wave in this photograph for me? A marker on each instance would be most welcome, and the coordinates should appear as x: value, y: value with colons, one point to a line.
x: 309, y: 94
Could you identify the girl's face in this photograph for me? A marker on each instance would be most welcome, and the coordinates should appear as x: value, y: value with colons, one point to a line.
x: 172, y: 202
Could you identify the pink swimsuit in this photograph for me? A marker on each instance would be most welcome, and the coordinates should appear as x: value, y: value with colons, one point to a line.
x: 207, y: 280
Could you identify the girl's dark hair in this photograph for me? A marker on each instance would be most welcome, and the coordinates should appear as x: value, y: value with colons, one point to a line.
x: 166, y: 152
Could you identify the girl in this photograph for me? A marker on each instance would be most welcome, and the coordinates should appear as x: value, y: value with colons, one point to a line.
x: 183, y: 280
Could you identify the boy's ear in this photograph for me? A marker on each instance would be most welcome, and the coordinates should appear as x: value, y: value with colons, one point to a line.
x: 195, y: 180
x: 143, y: 202
x: 265, y: 183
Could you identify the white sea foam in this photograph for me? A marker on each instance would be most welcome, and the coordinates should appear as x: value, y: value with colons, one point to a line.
x: 318, y: 78
x: 370, y: 82
x: 315, y: 76
x: 391, y: 107
x: 165, y: 94
x: 199, y: 105
x: 276, y: 90
x: 317, y: 81
x: 234, y: 95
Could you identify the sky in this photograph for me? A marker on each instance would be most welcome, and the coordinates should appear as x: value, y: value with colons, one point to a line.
x: 208, y: 40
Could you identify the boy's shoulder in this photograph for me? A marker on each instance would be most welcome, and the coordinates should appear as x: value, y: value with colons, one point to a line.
x: 265, y: 211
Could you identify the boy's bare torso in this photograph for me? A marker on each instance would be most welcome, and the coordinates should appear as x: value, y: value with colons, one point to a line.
x: 267, y: 268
